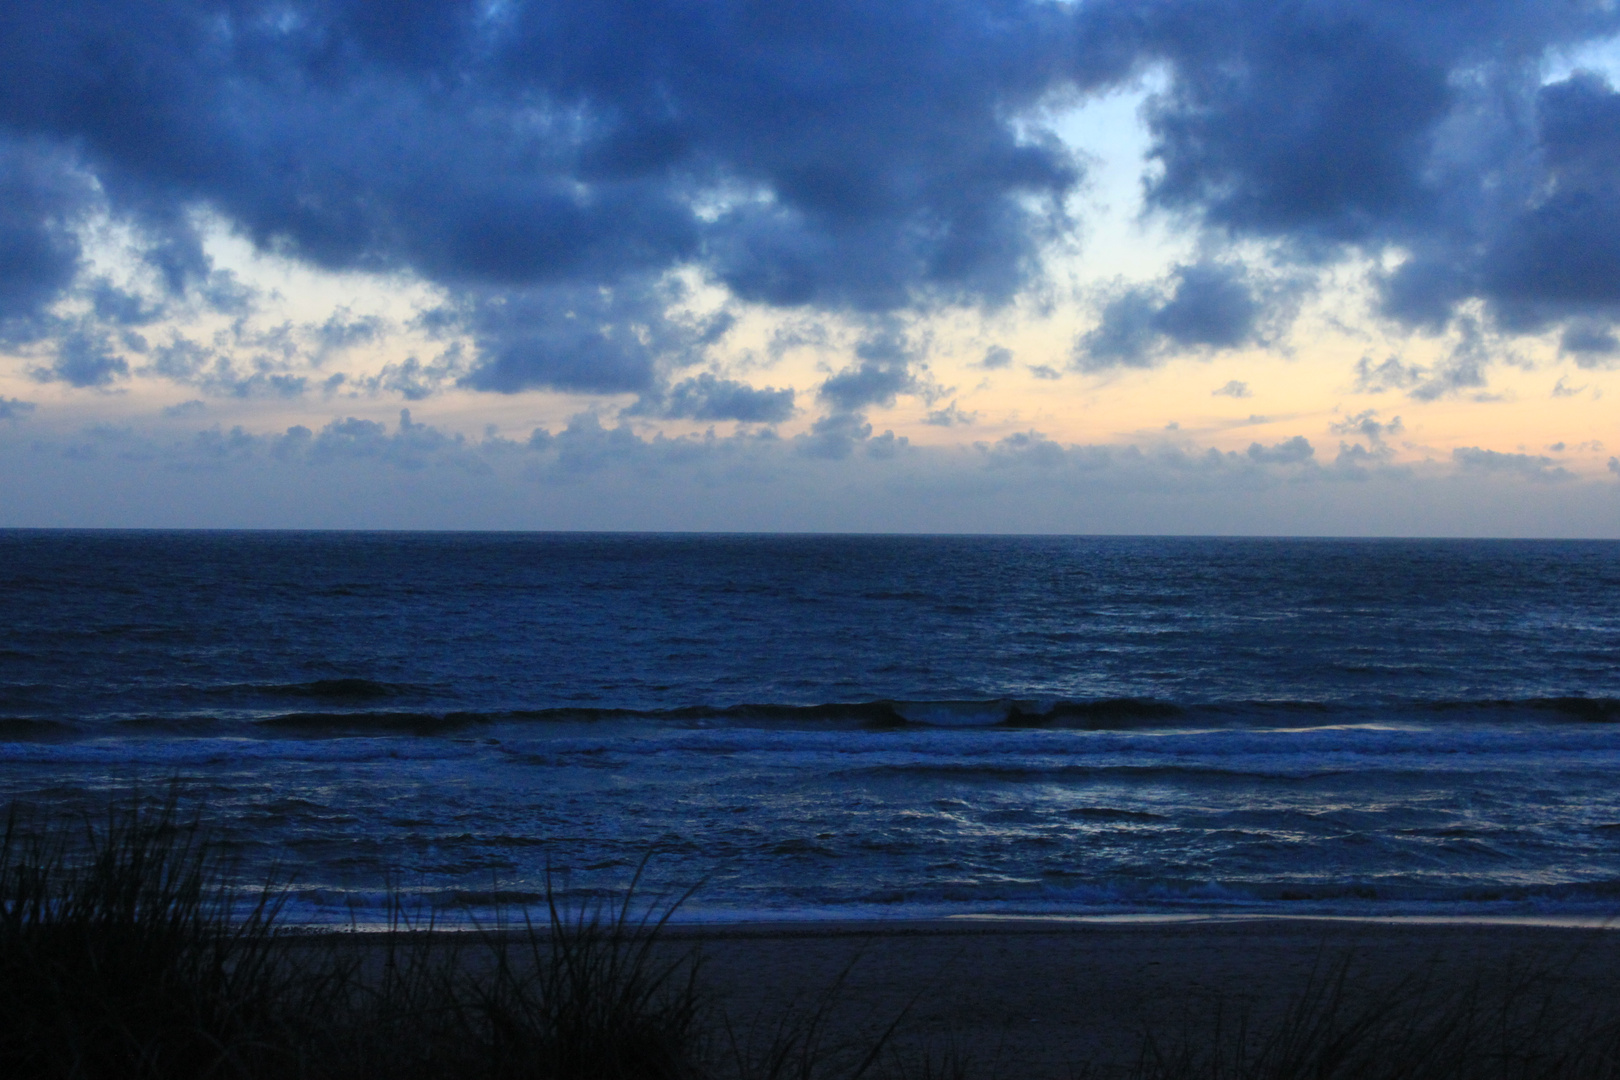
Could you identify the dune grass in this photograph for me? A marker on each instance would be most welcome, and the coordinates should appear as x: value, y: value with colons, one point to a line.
x: 127, y: 951
x: 123, y: 954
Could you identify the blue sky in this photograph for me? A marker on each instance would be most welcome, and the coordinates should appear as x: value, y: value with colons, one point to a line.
x: 1107, y: 266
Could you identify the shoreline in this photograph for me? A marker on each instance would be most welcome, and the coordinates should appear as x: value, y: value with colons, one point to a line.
x: 984, y: 922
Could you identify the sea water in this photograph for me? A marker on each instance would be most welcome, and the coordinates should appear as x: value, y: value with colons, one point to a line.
x: 838, y: 726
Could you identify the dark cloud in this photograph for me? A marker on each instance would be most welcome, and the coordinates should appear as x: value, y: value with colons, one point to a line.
x: 216, y: 447
x: 410, y: 378
x: 342, y: 330
x: 835, y: 436
x: 881, y: 372
x: 1284, y: 119
x: 1212, y: 305
x: 1288, y: 452
x: 1462, y: 369
x: 42, y: 198
x: 707, y: 397
x: 14, y: 409
x: 1022, y: 449
x: 950, y: 416
x: 1125, y: 336
x: 1560, y: 256
x: 1591, y: 342
x: 1202, y: 305
x: 886, y: 446
x: 1368, y: 426
x: 217, y: 371
x: 1390, y: 373
x: 537, y: 159
x: 1530, y: 466
x: 411, y: 446
x: 584, y: 338
x: 85, y: 357
x: 840, y: 154
x: 121, y: 307
x: 185, y: 408
x: 1357, y: 462
x: 798, y: 333
x: 585, y: 446
x: 1379, y: 125
x: 996, y: 357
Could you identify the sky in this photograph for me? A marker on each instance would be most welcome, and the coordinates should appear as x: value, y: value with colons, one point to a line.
x: 1322, y: 267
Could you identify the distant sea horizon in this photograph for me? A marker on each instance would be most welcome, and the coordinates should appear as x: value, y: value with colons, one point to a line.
x: 654, y: 531
x: 831, y: 726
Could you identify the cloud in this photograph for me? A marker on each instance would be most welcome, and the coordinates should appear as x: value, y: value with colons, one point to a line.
x: 835, y: 437
x: 882, y: 372
x: 1165, y: 466
x: 342, y: 330
x: 185, y: 408
x: 1560, y: 255
x: 410, y: 378
x: 1368, y: 426
x: 1592, y: 342
x: 1294, y: 451
x: 1281, y: 120
x: 1233, y: 389
x: 1390, y: 373
x: 85, y: 357
x: 996, y: 357
x: 950, y: 416
x: 886, y: 446
x: 546, y: 166
x: 1375, y: 127
x: 586, y: 447
x: 584, y: 339
x: 1357, y: 462
x: 411, y: 446
x: 14, y: 409
x: 1202, y: 305
x: 707, y: 397
x: 217, y: 371
x: 121, y: 307
x: 1024, y: 449
x: 1462, y: 369
x: 42, y: 199
x: 848, y: 155
x: 413, y: 474
x: 1530, y: 466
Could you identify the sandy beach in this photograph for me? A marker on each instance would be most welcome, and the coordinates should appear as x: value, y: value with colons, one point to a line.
x: 1041, y: 998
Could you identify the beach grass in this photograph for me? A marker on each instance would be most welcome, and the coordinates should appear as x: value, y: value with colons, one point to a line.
x: 128, y: 949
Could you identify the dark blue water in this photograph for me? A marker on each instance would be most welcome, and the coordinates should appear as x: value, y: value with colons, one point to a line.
x: 842, y: 725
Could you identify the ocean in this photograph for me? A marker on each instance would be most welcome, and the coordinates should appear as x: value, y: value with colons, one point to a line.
x: 822, y: 727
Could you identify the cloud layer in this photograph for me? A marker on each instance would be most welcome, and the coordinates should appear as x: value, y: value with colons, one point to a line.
x: 597, y: 194
x: 842, y: 155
